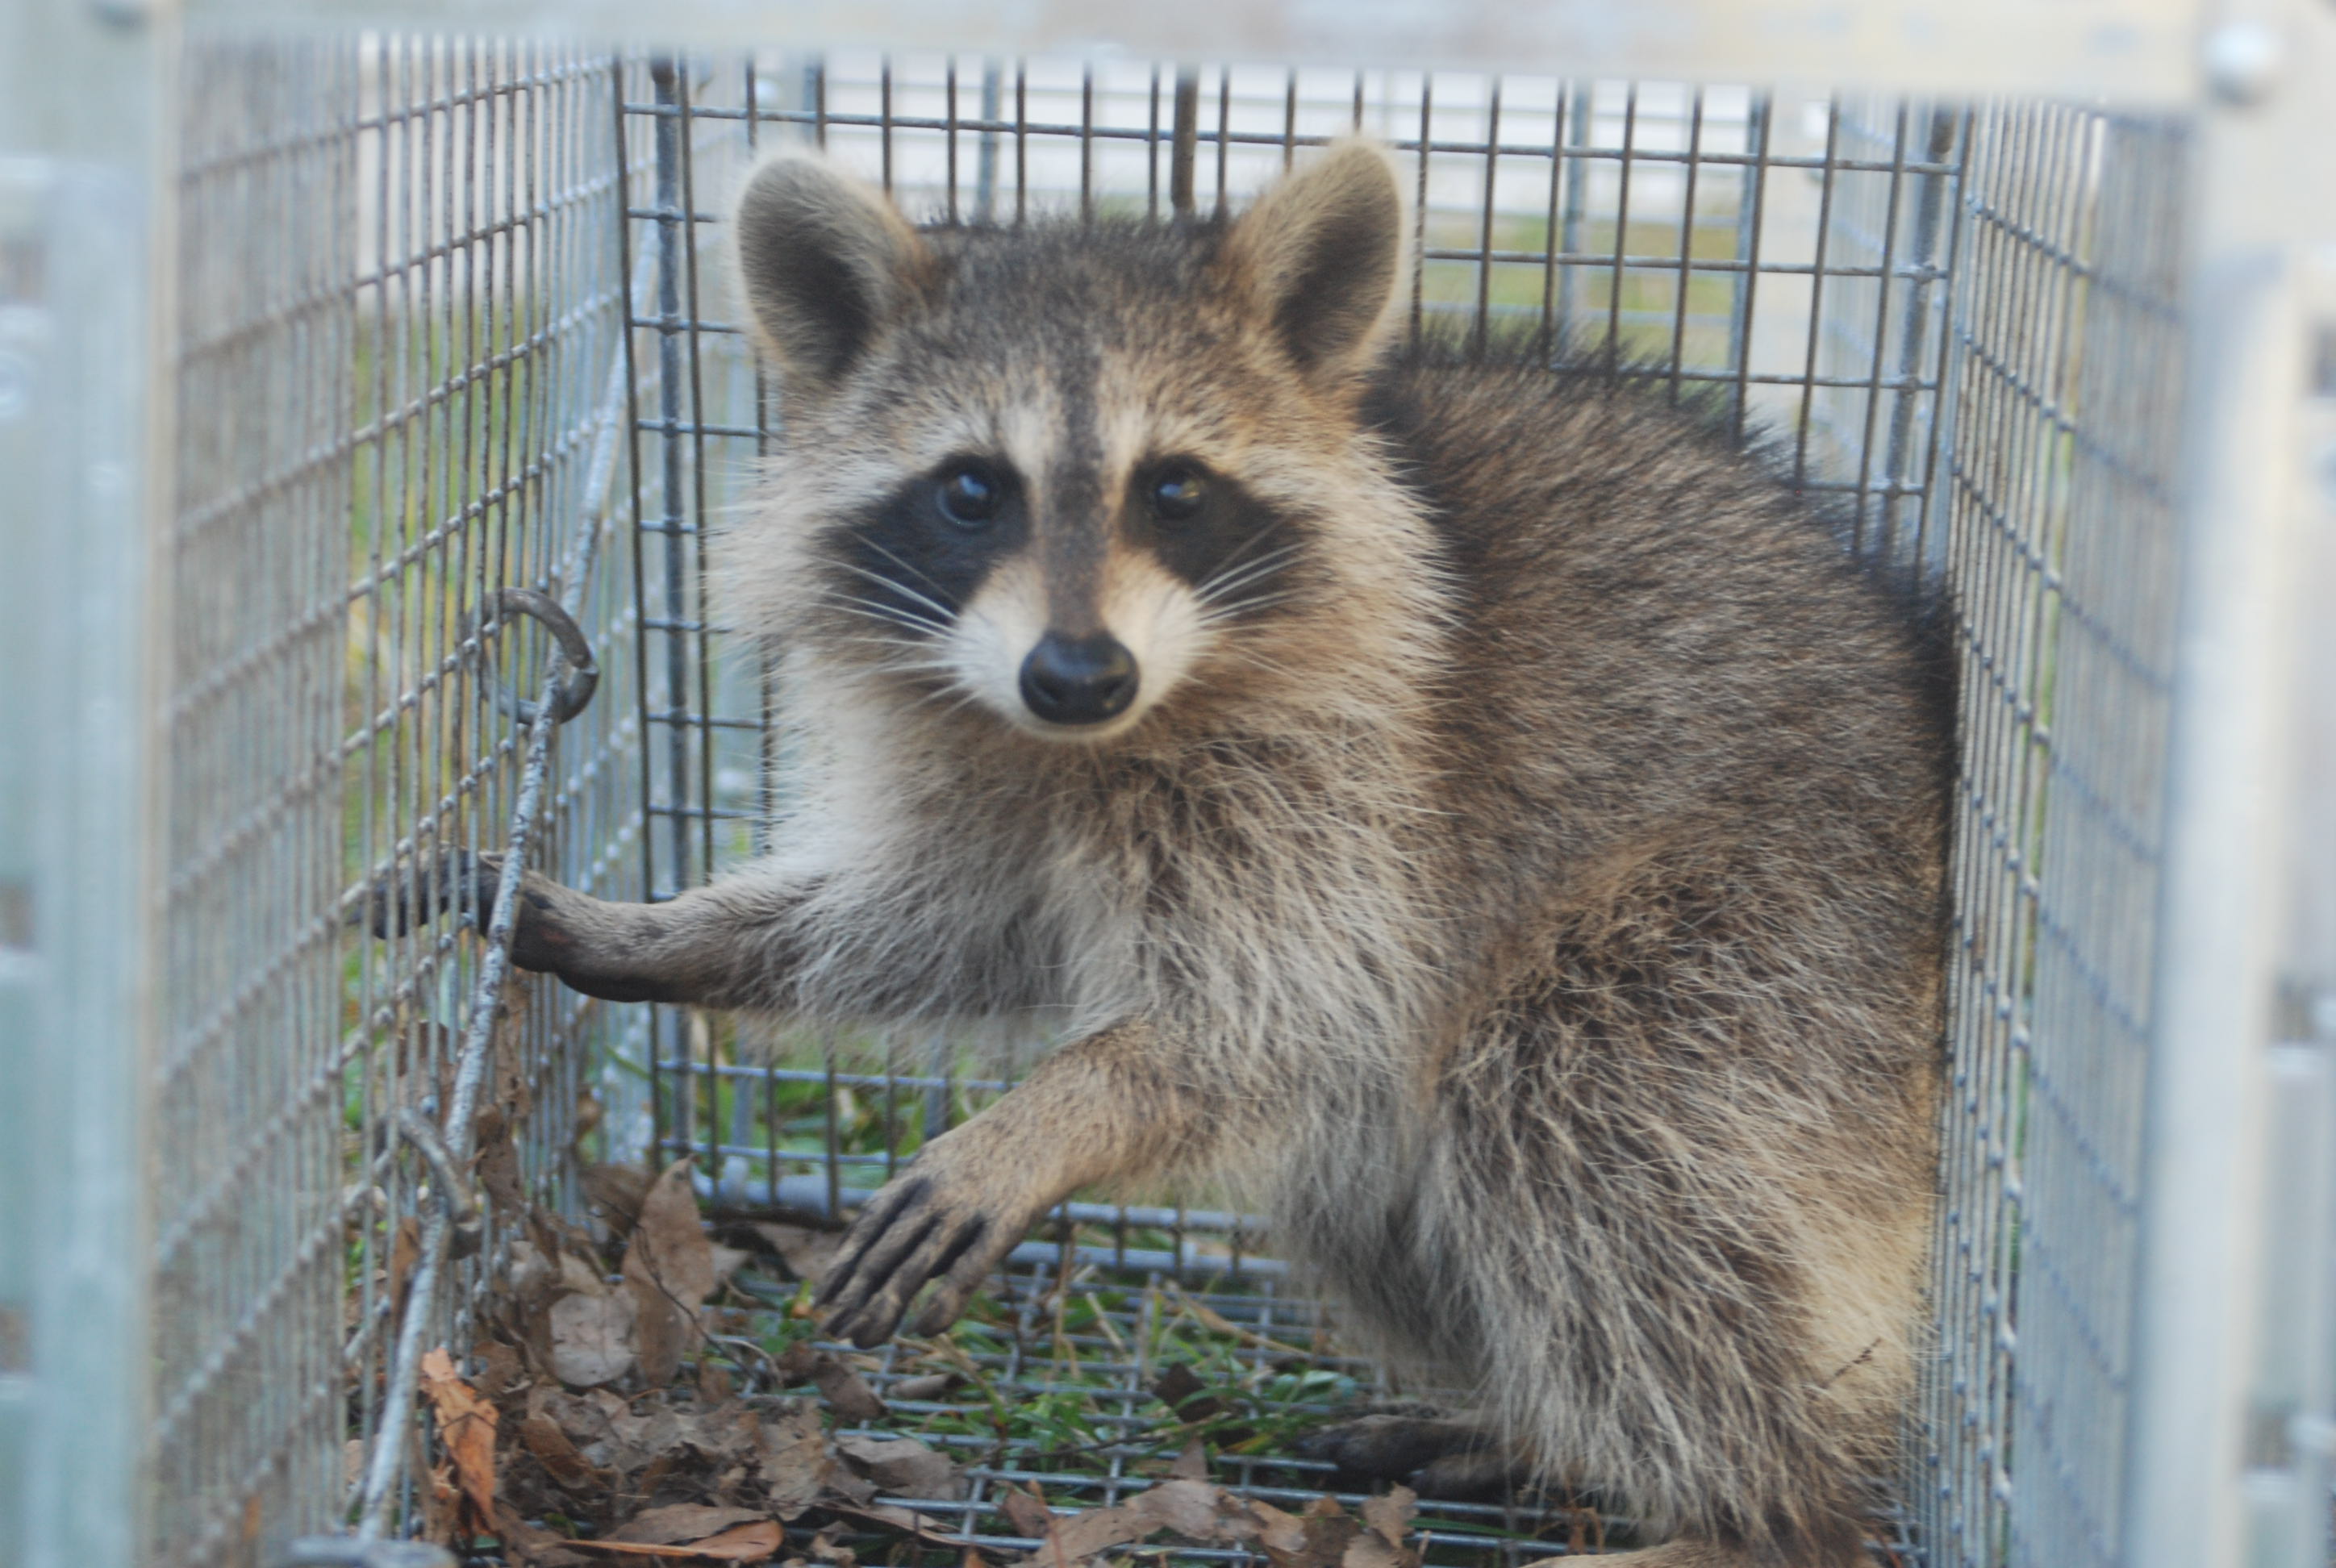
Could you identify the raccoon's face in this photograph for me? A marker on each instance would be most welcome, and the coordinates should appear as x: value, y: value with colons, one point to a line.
x: 1067, y: 476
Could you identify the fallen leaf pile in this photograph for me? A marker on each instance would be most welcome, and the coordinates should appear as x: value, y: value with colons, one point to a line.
x: 1324, y: 1537
x: 572, y: 1438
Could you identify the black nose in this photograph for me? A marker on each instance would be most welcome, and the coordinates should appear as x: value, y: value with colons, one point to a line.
x: 1078, y: 679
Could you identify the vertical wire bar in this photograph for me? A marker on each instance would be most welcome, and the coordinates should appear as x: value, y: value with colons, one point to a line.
x: 1183, y: 150
x: 1152, y: 151
x: 659, y: 1019
x: 948, y: 87
x: 1552, y: 329
x: 1574, y: 142
x: 1858, y: 540
x: 1478, y: 335
x: 884, y: 117
x: 1224, y: 132
x: 1816, y: 295
x: 1289, y: 120
x: 1687, y: 236
x: 1622, y: 226
x: 1087, y: 144
x: 1021, y: 143
x: 1748, y: 248
x: 665, y: 74
x: 1419, y: 202
x: 1914, y: 336
x: 985, y: 191
x: 695, y: 595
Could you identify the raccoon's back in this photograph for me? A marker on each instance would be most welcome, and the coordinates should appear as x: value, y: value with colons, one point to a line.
x: 1663, y: 652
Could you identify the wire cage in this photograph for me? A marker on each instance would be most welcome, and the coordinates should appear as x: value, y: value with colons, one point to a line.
x: 439, y: 374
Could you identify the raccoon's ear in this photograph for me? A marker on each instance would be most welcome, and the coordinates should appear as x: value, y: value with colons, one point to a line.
x: 1323, y: 257
x: 825, y: 263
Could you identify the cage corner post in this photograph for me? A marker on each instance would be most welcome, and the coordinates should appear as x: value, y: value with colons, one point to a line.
x: 2227, y: 1448
x: 83, y: 217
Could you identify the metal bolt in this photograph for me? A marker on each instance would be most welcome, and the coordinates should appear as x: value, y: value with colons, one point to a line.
x: 2242, y: 61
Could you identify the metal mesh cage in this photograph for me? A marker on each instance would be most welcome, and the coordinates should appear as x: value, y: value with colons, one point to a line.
x: 449, y: 322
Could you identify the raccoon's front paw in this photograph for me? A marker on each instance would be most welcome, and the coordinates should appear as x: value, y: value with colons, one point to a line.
x: 927, y: 1225
x: 457, y: 883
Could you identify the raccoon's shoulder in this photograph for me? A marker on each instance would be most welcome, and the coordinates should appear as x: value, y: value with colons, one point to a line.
x: 1627, y: 556
x: 1535, y: 475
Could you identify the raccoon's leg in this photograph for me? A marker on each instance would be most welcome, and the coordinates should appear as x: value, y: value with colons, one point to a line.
x: 1671, y: 1305
x: 718, y: 947
x: 1098, y: 1107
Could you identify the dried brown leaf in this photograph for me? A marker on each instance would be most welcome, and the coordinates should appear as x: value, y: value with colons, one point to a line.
x: 1026, y: 1511
x: 405, y: 1252
x: 1192, y: 1462
x: 668, y: 1266
x: 804, y: 1250
x: 592, y: 1338
x: 531, y: 1547
x: 1193, y: 1509
x: 543, y: 1436
x: 661, y: 1330
x: 670, y: 1244
x: 497, y: 1161
x: 1179, y: 1390
x: 795, y: 1471
x: 1325, y: 1533
x: 466, y: 1429
x: 1276, y: 1531
x: 616, y: 1193
x: 681, y: 1522
x: 1391, y: 1515
x: 932, y: 1386
x: 746, y: 1543
x: 846, y: 1392
x: 902, y: 1465
x: 928, y: 1530
x: 1098, y: 1529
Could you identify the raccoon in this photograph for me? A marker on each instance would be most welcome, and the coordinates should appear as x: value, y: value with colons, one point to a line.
x: 1478, y: 811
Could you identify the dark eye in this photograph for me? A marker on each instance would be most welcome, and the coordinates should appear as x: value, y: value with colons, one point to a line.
x: 1177, y: 494
x: 968, y: 496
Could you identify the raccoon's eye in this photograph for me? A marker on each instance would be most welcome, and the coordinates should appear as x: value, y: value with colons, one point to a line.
x: 1177, y: 494
x: 968, y: 497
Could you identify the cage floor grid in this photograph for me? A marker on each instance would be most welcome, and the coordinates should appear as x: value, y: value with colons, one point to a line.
x: 1080, y: 1391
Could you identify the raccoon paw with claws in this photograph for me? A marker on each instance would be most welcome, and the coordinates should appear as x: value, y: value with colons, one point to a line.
x: 458, y: 883
x: 930, y: 1225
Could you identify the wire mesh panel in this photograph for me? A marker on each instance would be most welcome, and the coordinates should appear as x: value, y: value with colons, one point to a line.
x: 401, y: 308
x: 453, y: 324
x: 2055, y: 497
x: 248, y: 1096
x: 1784, y: 262
x: 1777, y: 260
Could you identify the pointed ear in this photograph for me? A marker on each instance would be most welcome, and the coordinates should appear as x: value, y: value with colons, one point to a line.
x: 825, y: 263
x: 1323, y: 257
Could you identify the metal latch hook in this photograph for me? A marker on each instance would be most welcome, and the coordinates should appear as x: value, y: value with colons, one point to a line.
x: 583, y: 678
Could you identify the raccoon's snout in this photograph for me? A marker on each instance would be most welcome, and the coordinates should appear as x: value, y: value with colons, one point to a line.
x: 1078, y: 680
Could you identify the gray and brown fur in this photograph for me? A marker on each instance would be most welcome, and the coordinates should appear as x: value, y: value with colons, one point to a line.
x: 1528, y: 883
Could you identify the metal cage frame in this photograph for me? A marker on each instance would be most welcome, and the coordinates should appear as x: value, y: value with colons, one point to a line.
x: 2064, y: 332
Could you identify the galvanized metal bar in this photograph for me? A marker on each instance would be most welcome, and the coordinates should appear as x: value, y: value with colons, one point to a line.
x: 84, y: 220
x: 2258, y: 310
x: 2135, y: 52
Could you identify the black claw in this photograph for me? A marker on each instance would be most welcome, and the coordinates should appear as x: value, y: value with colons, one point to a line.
x: 396, y: 904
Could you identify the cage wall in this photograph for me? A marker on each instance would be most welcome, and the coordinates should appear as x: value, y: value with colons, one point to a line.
x: 452, y: 322
x: 397, y: 386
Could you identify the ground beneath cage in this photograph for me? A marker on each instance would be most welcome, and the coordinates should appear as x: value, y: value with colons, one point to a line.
x: 662, y: 1392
